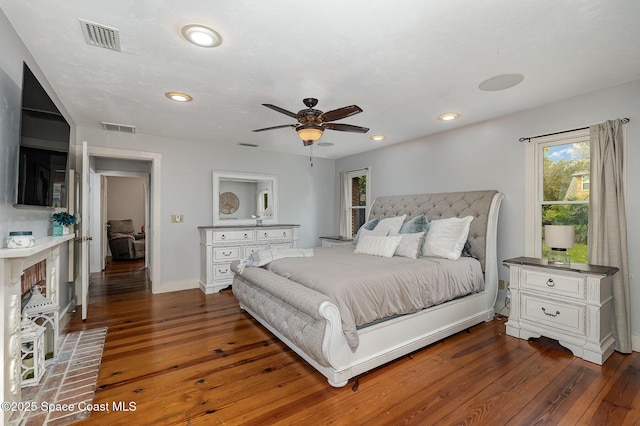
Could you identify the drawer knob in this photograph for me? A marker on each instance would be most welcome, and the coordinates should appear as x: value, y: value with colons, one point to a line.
x: 246, y: 236
x: 551, y: 315
x: 223, y: 271
x: 284, y: 234
x: 226, y: 253
x: 266, y: 235
x: 550, y: 283
x: 224, y: 237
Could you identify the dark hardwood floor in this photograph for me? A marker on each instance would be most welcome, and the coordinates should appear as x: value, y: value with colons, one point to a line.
x: 193, y: 359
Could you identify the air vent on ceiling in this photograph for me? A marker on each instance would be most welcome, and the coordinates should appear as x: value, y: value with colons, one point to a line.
x: 250, y: 145
x: 124, y: 128
x: 100, y: 35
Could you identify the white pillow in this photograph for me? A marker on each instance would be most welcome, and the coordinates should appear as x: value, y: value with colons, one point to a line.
x: 446, y: 237
x: 391, y: 224
x: 373, y: 232
x: 378, y: 246
x: 410, y: 245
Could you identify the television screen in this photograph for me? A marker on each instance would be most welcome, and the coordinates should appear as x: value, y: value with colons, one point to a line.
x: 44, y: 147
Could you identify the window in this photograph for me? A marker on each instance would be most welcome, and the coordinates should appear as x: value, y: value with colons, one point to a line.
x: 558, y: 190
x: 357, y: 190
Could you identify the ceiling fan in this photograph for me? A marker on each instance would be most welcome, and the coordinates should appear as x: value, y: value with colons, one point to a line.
x: 312, y: 122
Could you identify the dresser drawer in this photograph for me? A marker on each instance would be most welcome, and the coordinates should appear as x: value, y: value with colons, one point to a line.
x: 233, y: 236
x: 222, y: 271
x: 248, y: 250
x: 564, y: 316
x: 551, y: 282
x: 274, y: 234
x: 281, y: 246
x: 223, y: 254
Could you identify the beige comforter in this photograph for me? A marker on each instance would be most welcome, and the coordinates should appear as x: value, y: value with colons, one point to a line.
x: 369, y: 288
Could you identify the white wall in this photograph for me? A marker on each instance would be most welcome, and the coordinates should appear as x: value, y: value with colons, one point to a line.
x: 35, y: 219
x: 306, y: 193
x: 125, y: 199
x: 489, y: 156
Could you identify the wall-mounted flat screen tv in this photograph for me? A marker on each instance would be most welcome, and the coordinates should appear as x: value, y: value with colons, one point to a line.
x: 44, y: 148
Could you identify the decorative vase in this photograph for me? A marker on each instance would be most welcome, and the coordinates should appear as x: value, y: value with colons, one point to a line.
x: 66, y: 230
x: 58, y: 230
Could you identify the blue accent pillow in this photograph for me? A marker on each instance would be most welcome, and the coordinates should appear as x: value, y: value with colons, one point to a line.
x: 369, y: 225
x: 415, y: 225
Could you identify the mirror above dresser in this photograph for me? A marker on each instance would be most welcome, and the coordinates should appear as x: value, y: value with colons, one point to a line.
x: 244, y: 199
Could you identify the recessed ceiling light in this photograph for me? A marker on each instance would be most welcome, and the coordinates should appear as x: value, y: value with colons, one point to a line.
x: 325, y: 144
x: 501, y: 82
x: 377, y: 137
x: 448, y: 116
x: 178, y: 97
x: 201, y: 36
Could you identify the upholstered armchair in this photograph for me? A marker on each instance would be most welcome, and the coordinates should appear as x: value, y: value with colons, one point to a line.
x: 124, y: 243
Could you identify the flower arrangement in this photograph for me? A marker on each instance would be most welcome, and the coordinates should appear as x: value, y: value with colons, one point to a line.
x: 64, y: 218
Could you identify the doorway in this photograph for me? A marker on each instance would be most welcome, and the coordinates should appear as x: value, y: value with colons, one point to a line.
x: 106, y: 163
x: 122, y: 196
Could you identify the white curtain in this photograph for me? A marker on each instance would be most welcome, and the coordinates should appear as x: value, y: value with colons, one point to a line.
x: 345, y: 203
x: 608, y: 222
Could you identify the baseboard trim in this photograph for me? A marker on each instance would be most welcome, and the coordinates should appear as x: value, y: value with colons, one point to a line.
x: 175, y: 286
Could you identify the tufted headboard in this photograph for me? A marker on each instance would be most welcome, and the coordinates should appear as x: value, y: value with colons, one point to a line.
x: 447, y: 204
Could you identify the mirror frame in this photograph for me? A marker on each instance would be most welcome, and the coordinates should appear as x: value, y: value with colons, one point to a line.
x: 243, y: 177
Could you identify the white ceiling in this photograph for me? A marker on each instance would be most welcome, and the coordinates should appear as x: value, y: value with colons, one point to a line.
x: 404, y: 62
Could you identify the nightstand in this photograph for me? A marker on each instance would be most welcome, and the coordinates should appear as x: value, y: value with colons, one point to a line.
x: 572, y: 304
x: 335, y: 241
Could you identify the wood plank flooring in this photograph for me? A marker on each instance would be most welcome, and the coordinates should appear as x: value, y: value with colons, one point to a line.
x: 186, y: 358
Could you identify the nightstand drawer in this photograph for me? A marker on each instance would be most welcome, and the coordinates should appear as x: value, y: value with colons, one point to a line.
x: 564, y: 316
x: 231, y: 236
x: 226, y: 253
x: 552, y: 282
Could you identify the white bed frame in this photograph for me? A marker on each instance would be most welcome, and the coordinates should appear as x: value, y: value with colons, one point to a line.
x: 329, y: 352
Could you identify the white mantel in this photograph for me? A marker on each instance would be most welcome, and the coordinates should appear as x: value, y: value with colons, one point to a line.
x: 13, y: 262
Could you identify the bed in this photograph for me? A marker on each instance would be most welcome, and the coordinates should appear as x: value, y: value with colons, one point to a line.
x: 310, y: 322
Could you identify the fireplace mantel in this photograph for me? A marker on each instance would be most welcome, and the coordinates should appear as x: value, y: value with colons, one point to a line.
x: 13, y: 262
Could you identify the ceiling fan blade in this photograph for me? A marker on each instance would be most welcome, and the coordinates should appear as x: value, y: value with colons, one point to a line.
x: 345, y: 127
x: 282, y: 110
x: 340, y: 113
x: 274, y: 127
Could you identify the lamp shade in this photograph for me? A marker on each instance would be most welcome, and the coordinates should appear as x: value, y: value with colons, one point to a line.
x: 309, y: 132
x: 559, y: 236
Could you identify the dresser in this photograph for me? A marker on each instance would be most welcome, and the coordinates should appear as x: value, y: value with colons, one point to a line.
x: 572, y: 304
x: 221, y: 245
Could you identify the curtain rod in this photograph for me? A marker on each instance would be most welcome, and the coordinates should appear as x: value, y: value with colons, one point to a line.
x: 623, y: 120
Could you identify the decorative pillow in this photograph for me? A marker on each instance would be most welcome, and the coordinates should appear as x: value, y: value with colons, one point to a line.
x: 446, y: 237
x: 414, y: 225
x: 391, y: 224
x: 371, y: 224
x: 466, y: 251
x: 378, y: 246
x: 410, y: 245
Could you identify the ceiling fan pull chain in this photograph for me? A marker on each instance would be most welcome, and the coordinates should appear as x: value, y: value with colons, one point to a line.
x: 311, y: 155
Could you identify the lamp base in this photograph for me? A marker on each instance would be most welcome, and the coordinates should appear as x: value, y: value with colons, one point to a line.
x: 558, y: 257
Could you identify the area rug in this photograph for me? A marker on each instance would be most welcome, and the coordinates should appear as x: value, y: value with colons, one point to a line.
x: 68, y: 386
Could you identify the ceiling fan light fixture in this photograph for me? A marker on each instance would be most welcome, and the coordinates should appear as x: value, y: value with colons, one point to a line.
x: 309, y: 133
x: 178, y: 96
x: 201, y: 35
x: 448, y: 116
